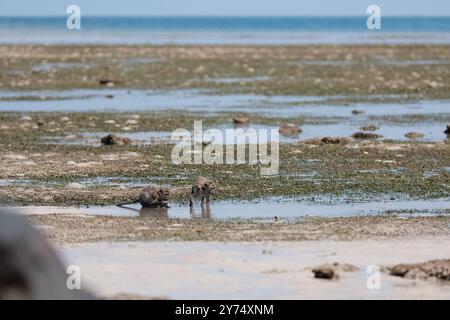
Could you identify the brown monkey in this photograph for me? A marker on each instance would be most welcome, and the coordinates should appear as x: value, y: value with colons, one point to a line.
x: 203, y: 189
x: 151, y: 197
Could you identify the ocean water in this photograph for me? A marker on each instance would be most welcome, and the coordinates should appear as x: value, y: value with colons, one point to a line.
x: 223, y: 30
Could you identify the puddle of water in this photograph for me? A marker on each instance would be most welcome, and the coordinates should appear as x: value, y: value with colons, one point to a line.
x: 141, y: 60
x: 431, y: 131
x: 141, y: 100
x: 263, y: 209
x: 47, y: 67
x: 194, y: 100
x: 13, y: 182
x: 322, y: 62
x: 414, y: 62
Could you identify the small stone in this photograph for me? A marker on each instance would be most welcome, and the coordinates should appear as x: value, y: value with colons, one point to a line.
x: 356, y: 112
x: 369, y: 128
x: 112, y: 139
x: 109, y: 122
x: 106, y: 82
x: 331, y: 270
x: 325, y: 272
x: 241, y: 120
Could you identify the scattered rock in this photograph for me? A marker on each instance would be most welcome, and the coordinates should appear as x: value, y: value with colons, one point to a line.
x: 241, y: 120
x: 40, y: 123
x: 75, y: 185
x: 414, y: 135
x: 112, y: 139
x: 356, y: 112
x: 109, y: 121
x: 366, y: 135
x: 439, y: 269
x: 109, y: 96
x: 325, y: 272
x: 329, y: 140
x: 65, y: 119
x: 370, y: 127
x: 331, y: 270
x: 289, y: 129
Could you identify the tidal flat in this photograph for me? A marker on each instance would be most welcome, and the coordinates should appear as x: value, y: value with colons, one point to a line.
x: 361, y: 193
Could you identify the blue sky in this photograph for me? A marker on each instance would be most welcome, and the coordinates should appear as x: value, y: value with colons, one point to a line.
x: 225, y: 7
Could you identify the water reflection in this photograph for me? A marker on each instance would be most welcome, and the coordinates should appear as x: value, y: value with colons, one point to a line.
x: 205, y: 212
x: 163, y: 212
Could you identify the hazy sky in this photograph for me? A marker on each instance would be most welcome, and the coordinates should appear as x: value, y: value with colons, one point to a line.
x: 225, y: 7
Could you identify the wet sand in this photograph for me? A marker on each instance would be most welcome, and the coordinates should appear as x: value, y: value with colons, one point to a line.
x: 263, y: 270
x: 64, y: 229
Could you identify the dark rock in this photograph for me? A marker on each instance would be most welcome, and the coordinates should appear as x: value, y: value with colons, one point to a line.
x: 356, y: 112
x: 106, y: 82
x: 331, y: 270
x: 241, y: 120
x: 439, y: 269
x: 112, y: 139
x: 366, y: 135
x: 325, y: 272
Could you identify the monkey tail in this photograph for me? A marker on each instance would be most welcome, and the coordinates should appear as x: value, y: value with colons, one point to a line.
x: 127, y: 203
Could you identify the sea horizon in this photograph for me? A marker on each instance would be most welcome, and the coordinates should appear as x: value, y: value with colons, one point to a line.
x: 241, y: 30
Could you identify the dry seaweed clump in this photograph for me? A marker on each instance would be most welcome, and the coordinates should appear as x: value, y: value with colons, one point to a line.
x: 439, y: 269
x: 328, y: 140
x: 366, y: 135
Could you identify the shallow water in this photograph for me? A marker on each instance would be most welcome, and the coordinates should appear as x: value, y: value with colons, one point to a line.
x: 194, y: 100
x: 264, y: 209
x: 432, y: 132
x: 276, y: 106
x: 141, y: 100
